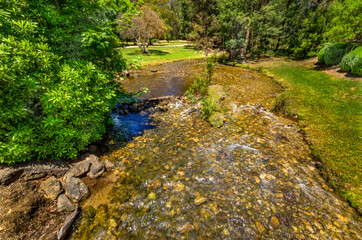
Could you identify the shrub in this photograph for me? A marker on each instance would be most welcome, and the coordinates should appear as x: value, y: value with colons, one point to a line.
x: 352, y: 62
x: 49, y: 108
x: 55, y: 77
x: 322, y: 52
x: 332, y: 54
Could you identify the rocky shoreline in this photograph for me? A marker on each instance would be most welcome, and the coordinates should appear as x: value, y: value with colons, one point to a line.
x: 41, y: 200
x: 45, y: 190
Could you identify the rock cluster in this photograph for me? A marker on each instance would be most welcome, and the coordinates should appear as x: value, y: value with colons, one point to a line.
x: 70, y: 189
x: 64, y: 185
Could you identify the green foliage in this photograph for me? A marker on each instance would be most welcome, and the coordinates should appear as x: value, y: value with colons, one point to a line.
x: 210, y: 67
x: 209, y: 107
x: 332, y: 54
x: 211, y: 102
x: 352, y: 62
x: 345, y: 21
x: 56, y: 70
x: 199, y: 86
x: 321, y: 53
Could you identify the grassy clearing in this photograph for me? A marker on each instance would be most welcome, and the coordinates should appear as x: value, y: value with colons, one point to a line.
x: 329, y: 110
x: 158, y: 54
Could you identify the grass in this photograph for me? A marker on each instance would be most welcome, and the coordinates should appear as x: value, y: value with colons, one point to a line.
x: 329, y: 112
x: 158, y: 54
x: 162, y: 43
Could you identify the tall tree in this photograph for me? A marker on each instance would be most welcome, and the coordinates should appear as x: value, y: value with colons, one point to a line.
x: 202, y: 22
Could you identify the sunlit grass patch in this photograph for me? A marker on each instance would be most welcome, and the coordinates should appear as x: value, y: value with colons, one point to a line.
x: 158, y: 54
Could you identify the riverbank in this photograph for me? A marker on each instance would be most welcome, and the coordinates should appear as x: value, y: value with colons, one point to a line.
x: 328, y: 109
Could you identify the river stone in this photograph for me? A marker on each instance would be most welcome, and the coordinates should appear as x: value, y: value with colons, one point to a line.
x: 260, y: 227
x: 152, y: 196
x: 34, y: 170
x: 274, y: 221
x: 200, y: 200
x: 51, y: 187
x: 97, y: 168
x: 179, y: 187
x: 9, y: 175
x: 64, y: 204
x: 80, y: 168
x: 75, y: 188
x: 108, y: 164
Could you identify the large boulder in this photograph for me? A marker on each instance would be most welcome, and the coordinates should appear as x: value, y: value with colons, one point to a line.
x: 51, y: 187
x: 75, y: 188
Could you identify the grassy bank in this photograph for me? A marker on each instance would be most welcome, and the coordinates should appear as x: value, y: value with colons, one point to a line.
x: 161, y: 53
x: 329, y: 111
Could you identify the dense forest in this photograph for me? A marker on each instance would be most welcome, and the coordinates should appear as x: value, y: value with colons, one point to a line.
x: 245, y: 28
x: 58, y: 58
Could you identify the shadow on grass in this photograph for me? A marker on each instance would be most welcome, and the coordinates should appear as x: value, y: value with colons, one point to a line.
x: 151, y: 53
x: 320, y: 67
x: 191, y: 47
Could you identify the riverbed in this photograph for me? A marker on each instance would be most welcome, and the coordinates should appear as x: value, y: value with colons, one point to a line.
x: 177, y: 177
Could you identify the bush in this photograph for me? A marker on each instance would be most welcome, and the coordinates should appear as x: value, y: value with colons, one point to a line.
x: 352, y: 62
x: 55, y: 77
x: 321, y: 53
x: 49, y: 108
x: 332, y: 54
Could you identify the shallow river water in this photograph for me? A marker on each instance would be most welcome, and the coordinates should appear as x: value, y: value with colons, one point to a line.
x: 176, y: 177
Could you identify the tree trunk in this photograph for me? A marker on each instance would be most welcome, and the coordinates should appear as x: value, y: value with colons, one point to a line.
x: 246, y: 40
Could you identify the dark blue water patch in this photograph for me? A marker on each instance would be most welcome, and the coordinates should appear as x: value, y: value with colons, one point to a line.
x: 125, y: 127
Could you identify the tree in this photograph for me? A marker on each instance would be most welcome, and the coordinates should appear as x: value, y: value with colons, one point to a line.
x: 346, y: 21
x: 200, y: 18
x: 168, y: 10
x: 252, y: 27
x: 144, y: 27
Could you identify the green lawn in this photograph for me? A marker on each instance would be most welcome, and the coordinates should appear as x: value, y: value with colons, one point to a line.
x: 158, y: 54
x: 329, y: 111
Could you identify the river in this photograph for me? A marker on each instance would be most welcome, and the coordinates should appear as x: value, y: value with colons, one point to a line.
x: 176, y: 177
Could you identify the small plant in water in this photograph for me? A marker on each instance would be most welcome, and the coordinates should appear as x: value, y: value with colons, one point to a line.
x: 199, y: 86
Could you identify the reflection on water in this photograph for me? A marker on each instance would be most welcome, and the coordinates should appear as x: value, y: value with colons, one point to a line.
x: 131, y: 125
x: 170, y: 79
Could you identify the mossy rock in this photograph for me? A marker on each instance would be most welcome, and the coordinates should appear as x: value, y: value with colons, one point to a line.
x: 217, y: 120
x: 216, y: 93
x: 89, y: 211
